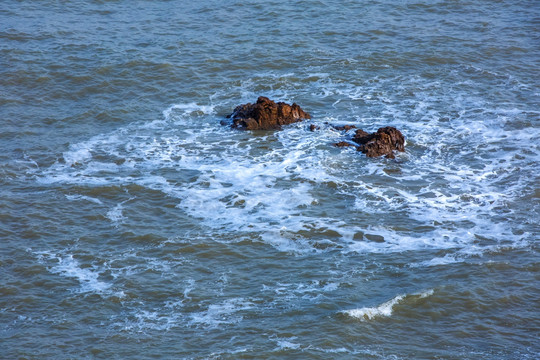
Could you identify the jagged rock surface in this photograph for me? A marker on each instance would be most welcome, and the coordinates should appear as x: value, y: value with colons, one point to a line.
x: 383, y: 142
x: 343, y: 144
x: 266, y: 114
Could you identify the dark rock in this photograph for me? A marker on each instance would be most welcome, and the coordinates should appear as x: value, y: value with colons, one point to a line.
x: 343, y: 144
x: 344, y: 127
x: 383, y: 142
x: 361, y: 137
x: 374, y: 238
x: 266, y: 114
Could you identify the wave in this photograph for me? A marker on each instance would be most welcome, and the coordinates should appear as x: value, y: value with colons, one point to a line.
x: 385, y: 309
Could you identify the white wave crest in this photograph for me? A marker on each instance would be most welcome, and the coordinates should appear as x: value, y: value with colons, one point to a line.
x: 384, y: 309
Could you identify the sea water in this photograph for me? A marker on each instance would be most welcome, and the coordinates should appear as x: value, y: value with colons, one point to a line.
x: 134, y: 225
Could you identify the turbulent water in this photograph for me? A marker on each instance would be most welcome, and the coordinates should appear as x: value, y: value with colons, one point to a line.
x: 134, y: 225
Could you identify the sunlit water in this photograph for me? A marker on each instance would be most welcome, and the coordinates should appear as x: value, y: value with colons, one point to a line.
x: 134, y: 225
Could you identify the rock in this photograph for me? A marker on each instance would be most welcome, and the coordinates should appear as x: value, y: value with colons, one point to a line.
x: 361, y: 137
x: 266, y: 114
x: 344, y: 127
x: 383, y: 142
x: 343, y: 144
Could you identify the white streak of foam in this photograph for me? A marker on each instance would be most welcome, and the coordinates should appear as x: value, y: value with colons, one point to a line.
x: 83, y: 198
x: 116, y: 214
x: 69, y: 267
x: 284, y: 343
x: 77, y: 155
x: 187, y: 110
x: 143, y: 320
x: 308, y: 291
x: 223, y: 313
x: 445, y: 260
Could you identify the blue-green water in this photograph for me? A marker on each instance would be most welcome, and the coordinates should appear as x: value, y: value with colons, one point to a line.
x: 134, y: 225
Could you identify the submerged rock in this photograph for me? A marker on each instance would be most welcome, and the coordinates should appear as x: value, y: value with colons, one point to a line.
x: 343, y: 144
x: 344, y: 127
x: 266, y: 114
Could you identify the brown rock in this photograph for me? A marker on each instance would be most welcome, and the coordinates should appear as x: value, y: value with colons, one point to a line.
x: 266, y: 114
x: 383, y: 142
x: 345, y: 127
x: 313, y: 127
x: 361, y: 137
x: 343, y: 144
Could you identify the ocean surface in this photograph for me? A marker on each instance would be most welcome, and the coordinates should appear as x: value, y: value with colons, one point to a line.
x: 134, y: 225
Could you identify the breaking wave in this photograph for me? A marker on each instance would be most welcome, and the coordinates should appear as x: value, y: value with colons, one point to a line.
x: 385, y: 309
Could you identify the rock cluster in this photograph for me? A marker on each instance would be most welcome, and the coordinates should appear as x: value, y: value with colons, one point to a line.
x: 266, y: 114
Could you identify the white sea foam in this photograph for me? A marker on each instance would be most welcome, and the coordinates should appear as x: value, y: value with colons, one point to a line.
x: 84, y: 198
x: 186, y: 110
x: 88, y: 277
x: 225, y: 312
x: 115, y: 214
x: 141, y: 321
x: 77, y: 154
x: 285, y: 343
x: 189, y: 288
x: 385, y: 309
x: 270, y: 185
x: 308, y: 291
x: 444, y: 260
